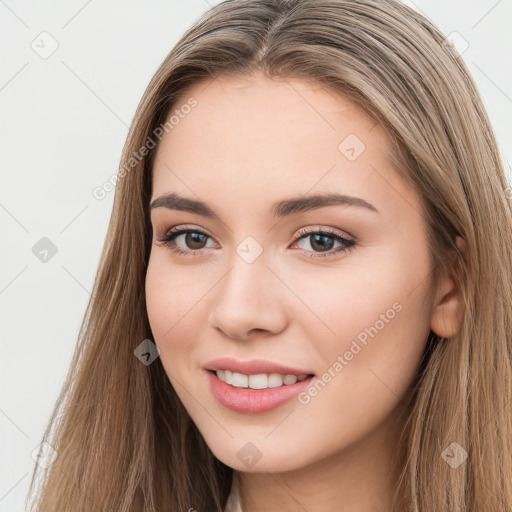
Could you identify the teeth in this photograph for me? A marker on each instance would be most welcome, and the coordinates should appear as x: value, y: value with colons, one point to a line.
x: 259, y: 381
x: 240, y: 380
x: 275, y: 380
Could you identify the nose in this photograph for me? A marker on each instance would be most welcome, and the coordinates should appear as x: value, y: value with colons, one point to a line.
x: 249, y: 299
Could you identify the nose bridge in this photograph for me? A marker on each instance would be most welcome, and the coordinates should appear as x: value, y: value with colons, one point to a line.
x: 249, y: 296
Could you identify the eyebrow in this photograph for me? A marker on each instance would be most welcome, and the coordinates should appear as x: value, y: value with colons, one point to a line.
x: 173, y: 201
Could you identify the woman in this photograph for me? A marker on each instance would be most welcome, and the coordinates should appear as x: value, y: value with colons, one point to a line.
x: 304, y: 300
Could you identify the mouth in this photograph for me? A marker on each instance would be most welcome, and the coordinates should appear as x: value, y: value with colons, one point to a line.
x: 253, y: 367
x: 255, y: 393
x: 259, y: 380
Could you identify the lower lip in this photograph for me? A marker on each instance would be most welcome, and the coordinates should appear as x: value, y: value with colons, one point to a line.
x: 248, y: 400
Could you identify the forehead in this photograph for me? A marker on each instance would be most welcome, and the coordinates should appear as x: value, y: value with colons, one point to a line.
x: 257, y: 136
x: 257, y: 106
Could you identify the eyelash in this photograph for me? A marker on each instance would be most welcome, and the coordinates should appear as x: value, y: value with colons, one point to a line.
x: 168, y: 239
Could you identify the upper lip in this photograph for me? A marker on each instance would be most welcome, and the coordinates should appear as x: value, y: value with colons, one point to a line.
x: 253, y: 367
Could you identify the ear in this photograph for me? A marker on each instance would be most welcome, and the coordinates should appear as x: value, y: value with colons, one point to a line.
x: 448, y: 306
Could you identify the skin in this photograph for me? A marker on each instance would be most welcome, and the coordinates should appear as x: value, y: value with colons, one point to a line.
x: 247, y: 144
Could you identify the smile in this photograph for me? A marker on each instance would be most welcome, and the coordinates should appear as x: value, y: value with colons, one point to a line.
x: 272, y: 393
x: 259, y: 381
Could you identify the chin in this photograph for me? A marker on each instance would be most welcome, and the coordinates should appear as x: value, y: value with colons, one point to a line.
x: 251, y: 454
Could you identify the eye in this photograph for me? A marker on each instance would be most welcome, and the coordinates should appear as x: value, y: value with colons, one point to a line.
x: 323, y: 240
x: 194, y: 240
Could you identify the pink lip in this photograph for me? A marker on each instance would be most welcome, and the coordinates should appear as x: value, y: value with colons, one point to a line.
x: 253, y: 367
x: 246, y: 400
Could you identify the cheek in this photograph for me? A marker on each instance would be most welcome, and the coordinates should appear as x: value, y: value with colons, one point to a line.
x: 363, y: 297
x: 382, y: 329
x: 377, y: 323
x: 172, y: 304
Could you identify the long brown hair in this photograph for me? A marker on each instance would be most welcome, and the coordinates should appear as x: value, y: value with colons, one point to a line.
x: 123, y: 439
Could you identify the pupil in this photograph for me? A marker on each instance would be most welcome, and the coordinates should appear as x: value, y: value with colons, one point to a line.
x: 193, y: 238
x: 322, y: 245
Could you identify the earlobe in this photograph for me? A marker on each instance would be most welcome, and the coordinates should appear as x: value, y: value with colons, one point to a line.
x: 448, y: 307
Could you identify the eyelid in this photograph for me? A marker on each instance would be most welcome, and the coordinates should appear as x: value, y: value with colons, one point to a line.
x: 315, y: 228
x: 309, y: 230
x: 180, y: 229
x: 170, y: 234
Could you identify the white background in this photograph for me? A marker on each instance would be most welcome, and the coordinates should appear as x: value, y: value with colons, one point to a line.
x: 64, y: 120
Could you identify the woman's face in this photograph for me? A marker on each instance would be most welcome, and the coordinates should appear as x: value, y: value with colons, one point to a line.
x: 252, y: 167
